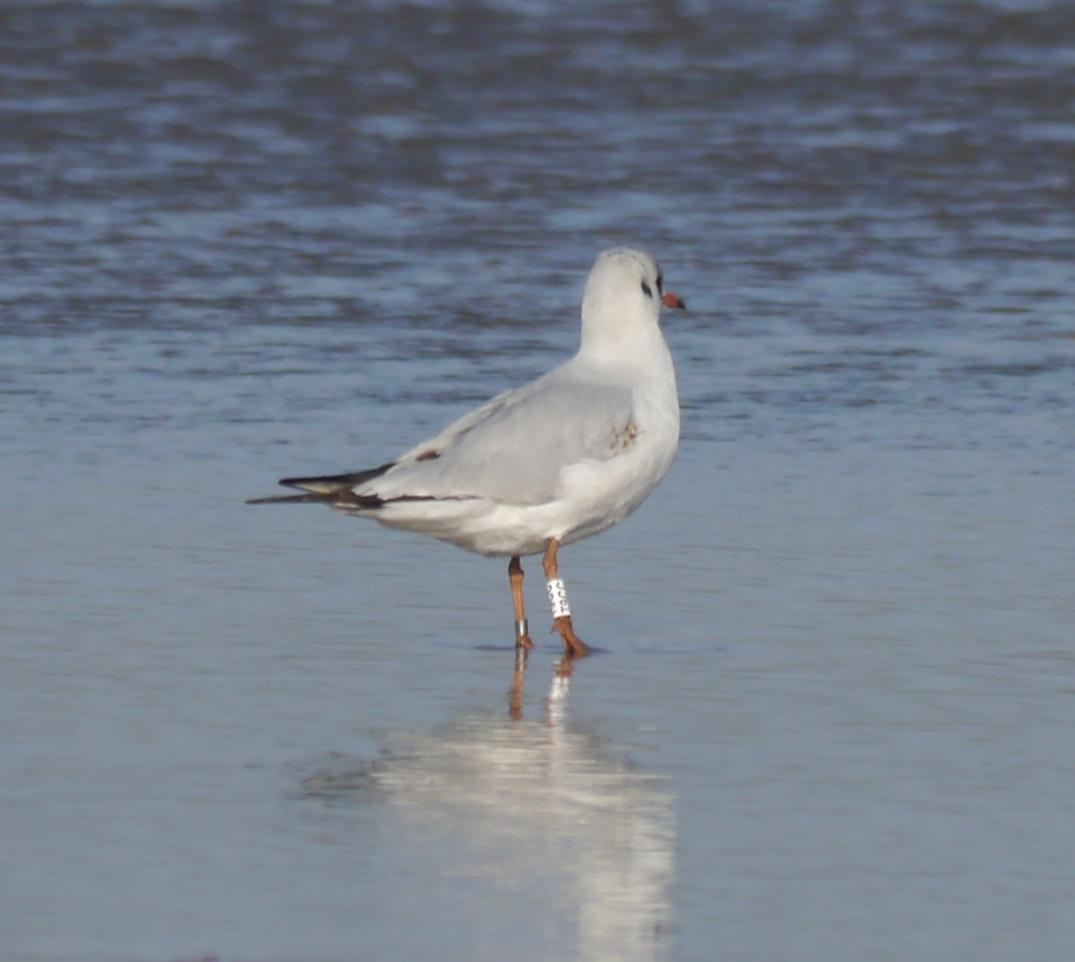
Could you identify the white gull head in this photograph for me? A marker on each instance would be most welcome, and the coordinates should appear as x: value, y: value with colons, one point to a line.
x: 622, y: 302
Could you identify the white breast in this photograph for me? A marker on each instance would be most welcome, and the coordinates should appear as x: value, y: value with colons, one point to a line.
x: 598, y: 494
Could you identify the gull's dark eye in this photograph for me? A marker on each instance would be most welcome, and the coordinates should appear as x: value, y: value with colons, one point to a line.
x: 646, y: 290
x: 660, y: 283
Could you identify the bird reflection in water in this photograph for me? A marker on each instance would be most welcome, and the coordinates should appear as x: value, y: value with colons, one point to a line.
x: 514, y: 800
x: 557, y: 696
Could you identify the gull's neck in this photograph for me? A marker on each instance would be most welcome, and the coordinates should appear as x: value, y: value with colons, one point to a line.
x: 637, y: 347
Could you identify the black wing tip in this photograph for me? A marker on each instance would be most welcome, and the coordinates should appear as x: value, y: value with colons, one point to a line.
x: 291, y: 499
x: 337, y: 490
x: 348, y: 480
x: 342, y: 498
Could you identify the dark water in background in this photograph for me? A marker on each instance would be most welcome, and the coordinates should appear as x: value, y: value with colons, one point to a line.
x: 244, y: 240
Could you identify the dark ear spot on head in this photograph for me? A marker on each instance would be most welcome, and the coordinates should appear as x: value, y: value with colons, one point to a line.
x: 660, y: 283
x: 646, y: 290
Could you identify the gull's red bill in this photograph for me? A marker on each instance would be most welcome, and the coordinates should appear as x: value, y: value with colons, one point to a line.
x: 672, y: 299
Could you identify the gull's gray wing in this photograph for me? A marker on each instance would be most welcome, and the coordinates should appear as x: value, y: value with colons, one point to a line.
x: 513, y: 448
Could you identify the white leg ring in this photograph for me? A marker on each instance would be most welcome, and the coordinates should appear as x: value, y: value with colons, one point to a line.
x: 557, y: 598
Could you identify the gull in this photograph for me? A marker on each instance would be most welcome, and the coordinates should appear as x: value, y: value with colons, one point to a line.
x: 546, y: 464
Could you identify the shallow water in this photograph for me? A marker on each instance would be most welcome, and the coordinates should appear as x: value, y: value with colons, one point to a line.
x: 833, y: 715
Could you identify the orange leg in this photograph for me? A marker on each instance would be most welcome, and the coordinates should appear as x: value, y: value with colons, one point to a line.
x: 515, y: 575
x: 573, y: 644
